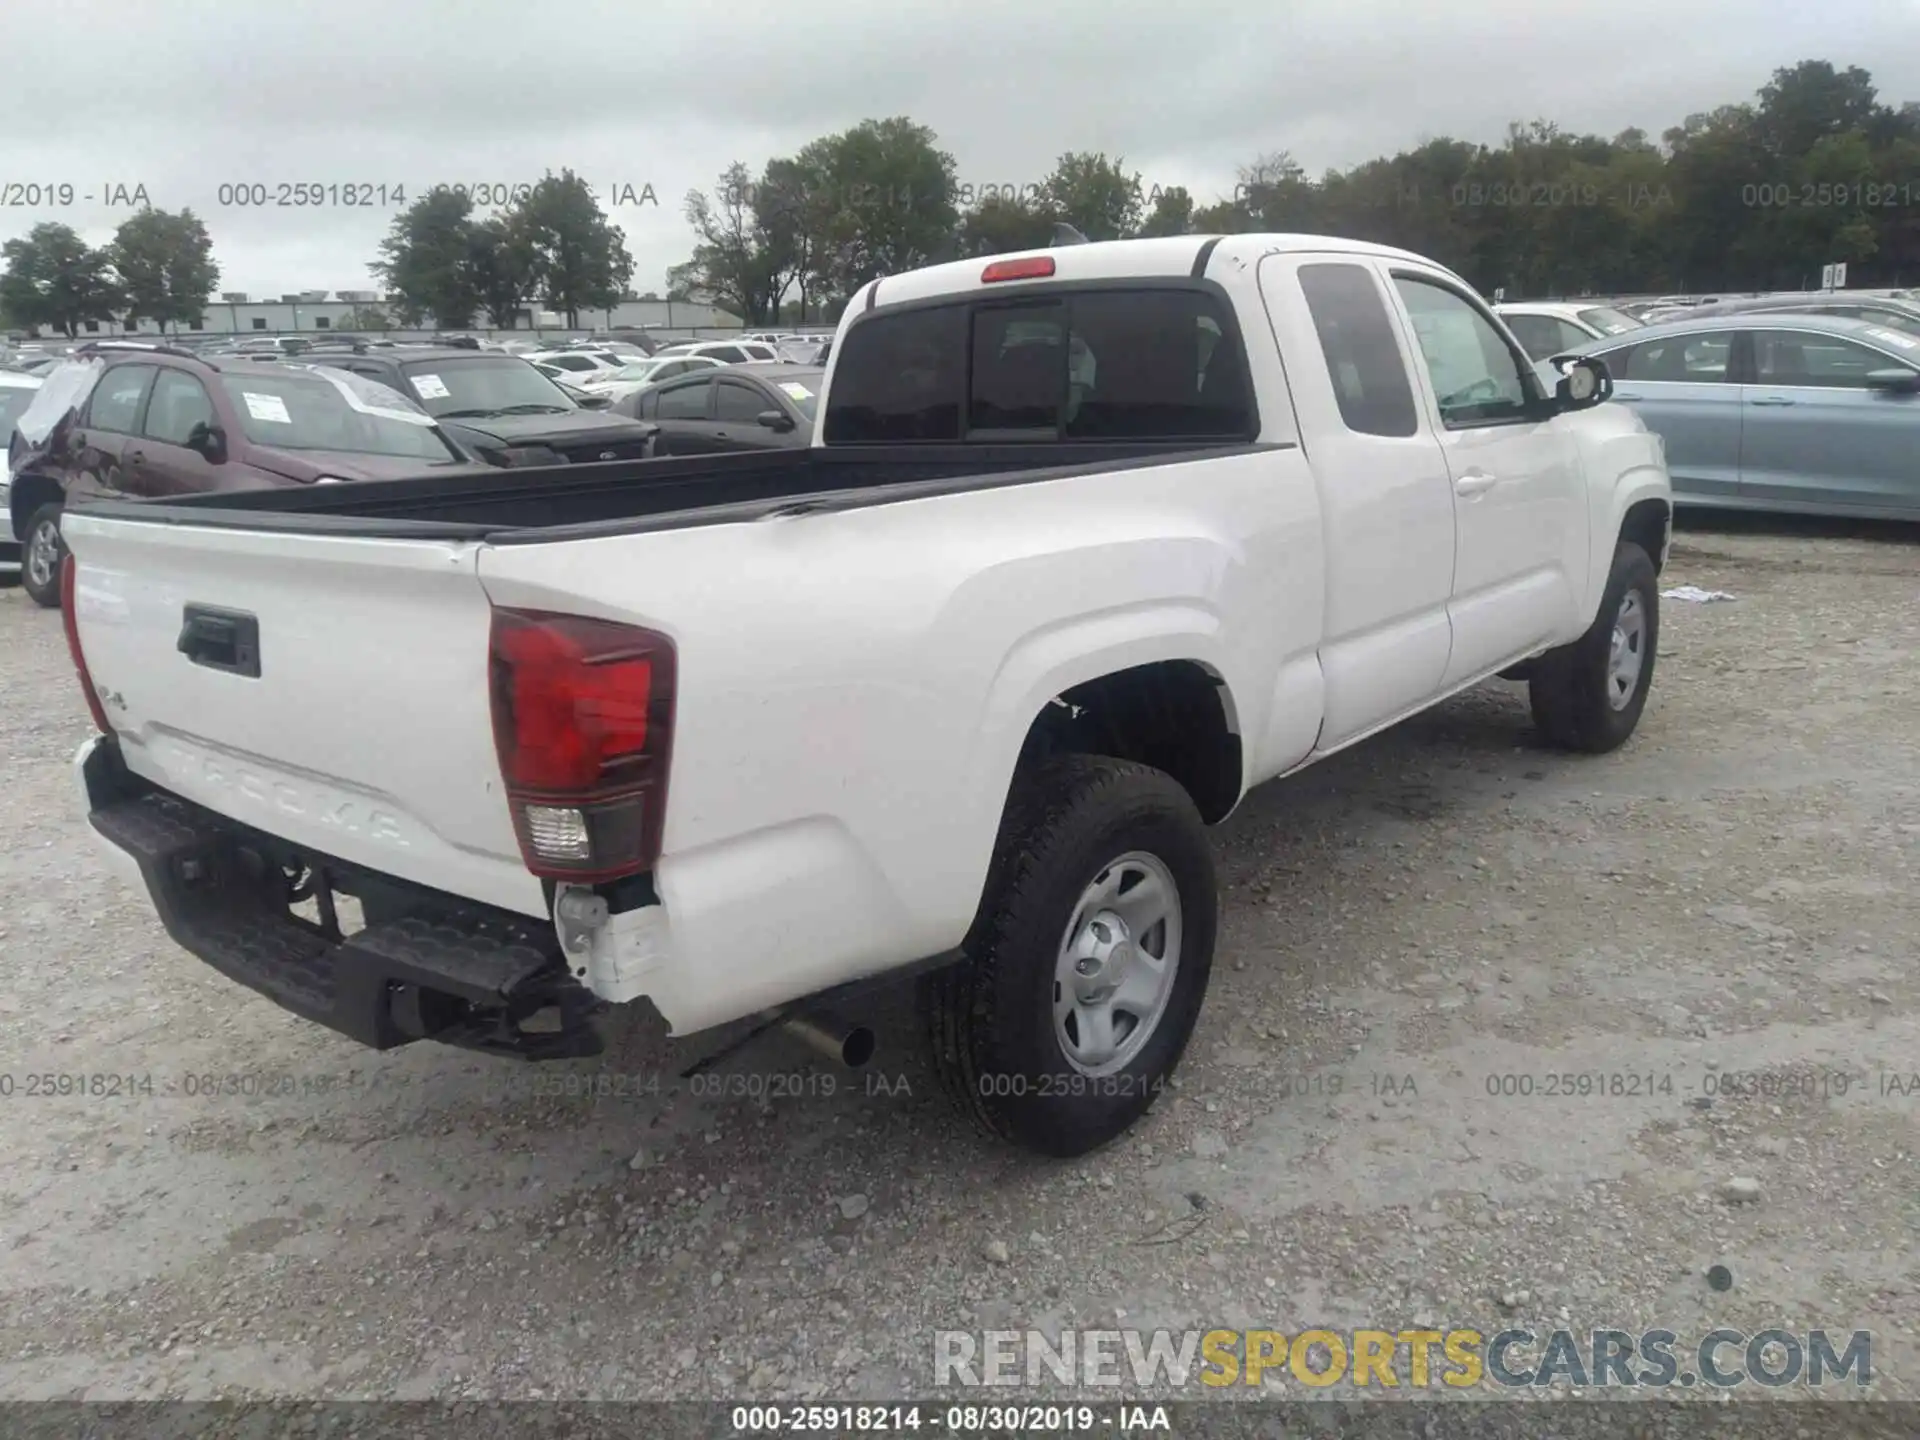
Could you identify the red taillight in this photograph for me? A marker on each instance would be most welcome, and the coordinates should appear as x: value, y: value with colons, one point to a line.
x: 1034, y: 267
x: 72, y: 623
x: 582, y: 721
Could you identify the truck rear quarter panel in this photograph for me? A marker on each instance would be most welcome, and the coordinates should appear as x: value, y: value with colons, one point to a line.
x: 855, y: 687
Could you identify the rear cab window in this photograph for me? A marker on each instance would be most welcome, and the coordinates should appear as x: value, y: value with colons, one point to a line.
x: 1063, y: 364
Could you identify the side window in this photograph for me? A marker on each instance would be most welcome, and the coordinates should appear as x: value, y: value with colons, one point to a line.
x: 575, y: 363
x: 900, y: 377
x: 1789, y: 357
x: 1363, y: 358
x: 729, y: 354
x: 684, y: 402
x: 1678, y: 359
x: 1539, y: 335
x: 740, y: 404
x: 1476, y: 379
x: 1572, y: 338
x: 179, y: 403
x: 116, y: 399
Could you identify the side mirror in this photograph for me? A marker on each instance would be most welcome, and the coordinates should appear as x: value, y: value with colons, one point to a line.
x: 1584, y: 383
x: 1894, y: 382
x: 587, y: 400
x: 775, y: 419
x: 209, y: 441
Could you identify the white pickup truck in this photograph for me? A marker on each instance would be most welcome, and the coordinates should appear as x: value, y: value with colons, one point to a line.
x: 1090, y: 541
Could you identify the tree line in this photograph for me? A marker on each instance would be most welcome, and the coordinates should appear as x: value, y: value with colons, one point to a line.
x: 158, y: 266
x: 1751, y: 196
x: 440, y: 262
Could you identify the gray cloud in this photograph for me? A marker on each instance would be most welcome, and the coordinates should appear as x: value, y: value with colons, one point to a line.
x: 186, y: 96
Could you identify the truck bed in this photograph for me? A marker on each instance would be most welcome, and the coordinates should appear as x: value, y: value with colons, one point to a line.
x: 567, y: 501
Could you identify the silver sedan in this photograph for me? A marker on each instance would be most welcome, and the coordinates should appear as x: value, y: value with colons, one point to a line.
x: 1810, y: 414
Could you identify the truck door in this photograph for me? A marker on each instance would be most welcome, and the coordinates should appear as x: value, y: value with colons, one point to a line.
x: 1519, y: 495
x: 1385, y: 496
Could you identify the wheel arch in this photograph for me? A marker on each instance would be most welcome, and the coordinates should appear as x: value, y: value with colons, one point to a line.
x: 27, y: 493
x: 1177, y: 715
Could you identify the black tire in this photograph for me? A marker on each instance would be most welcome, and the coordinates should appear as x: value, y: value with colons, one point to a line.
x: 990, y: 1017
x: 1570, y: 688
x: 46, y: 591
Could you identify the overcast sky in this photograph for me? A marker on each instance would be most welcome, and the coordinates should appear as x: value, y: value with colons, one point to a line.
x: 182, y: 96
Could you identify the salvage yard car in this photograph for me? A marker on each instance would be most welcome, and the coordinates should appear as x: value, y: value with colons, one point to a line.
x: 16, y: 392
x: 498, y: 406
x: 1779, y: 411
x: 733, y: 407
x: 957, y: 689
x: 161, y: 421
x: 1546, y: 329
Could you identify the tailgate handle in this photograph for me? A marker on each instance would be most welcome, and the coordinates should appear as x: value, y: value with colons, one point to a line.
x: 226, y: 640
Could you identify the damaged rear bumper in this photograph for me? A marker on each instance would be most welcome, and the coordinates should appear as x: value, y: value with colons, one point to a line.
x: 428, y: 966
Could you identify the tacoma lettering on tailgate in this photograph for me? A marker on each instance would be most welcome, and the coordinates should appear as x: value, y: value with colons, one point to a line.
x: 255, y: 792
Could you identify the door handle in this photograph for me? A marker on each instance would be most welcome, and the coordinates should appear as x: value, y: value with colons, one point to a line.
x: 138, y: 457
x: 1474, y: 482
x: 1770, y: 400
x: 1628, y: 395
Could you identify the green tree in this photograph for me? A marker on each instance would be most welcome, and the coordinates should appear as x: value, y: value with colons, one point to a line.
x: 1169, y: 212
x: 733, y: 265
x: 500, y: 270
x: 165, y: 267
x: 1807, y: 103
x: 1095, y: 195
x: 576, y: 256
x: 1000, y: 224
x: 54, y: 278
x: 884, y: 201
x: 426, y: 260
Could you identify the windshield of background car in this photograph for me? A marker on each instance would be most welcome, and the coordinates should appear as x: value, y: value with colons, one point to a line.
x: 802, y: 391
x: 1607, y: 320
x: 481, y: 386
x: 1906, y: 321
x: 316, y: 408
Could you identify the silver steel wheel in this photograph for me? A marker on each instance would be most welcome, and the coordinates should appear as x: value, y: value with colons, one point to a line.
x: 43, y: 554
x: 1117, y: 964
x: 1627, y: 654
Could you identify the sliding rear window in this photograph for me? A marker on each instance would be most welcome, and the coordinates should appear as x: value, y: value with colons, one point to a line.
x: 1139, y: 363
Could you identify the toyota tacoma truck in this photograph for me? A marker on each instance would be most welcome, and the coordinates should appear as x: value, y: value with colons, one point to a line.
x: 1091, y: 540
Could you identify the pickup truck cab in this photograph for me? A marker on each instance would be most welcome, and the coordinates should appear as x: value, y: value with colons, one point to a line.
x: 1090, y: 541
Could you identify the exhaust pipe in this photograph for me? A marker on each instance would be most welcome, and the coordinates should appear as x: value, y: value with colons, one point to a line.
x: 829, y: 1035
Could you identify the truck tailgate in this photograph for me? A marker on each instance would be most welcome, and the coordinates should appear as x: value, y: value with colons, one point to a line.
x: 366, y: 734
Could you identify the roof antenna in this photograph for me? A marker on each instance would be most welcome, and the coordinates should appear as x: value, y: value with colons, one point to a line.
x: 1065, y: 234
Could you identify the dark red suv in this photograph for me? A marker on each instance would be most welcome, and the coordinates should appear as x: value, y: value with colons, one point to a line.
x: 163, y: 421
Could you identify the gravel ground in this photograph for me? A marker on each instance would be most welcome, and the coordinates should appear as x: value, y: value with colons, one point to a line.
x: 1732, y: 895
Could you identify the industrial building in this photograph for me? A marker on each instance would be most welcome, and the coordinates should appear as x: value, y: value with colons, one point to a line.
x: 236, y: 312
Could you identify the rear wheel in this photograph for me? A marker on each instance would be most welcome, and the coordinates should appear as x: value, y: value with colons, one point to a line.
x: 1086, y: 967
x: 42, y: 553
x: 1589, y: 695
